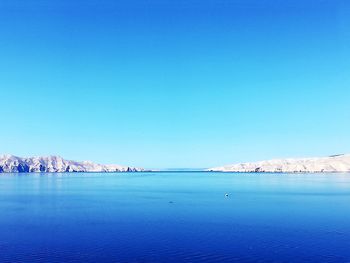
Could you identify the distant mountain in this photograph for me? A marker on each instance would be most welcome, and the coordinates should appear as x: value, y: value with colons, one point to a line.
x: 56, y: 164
x: 334, y: 163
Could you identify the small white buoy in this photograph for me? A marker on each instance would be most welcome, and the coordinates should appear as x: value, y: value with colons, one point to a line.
x: 226, y: 195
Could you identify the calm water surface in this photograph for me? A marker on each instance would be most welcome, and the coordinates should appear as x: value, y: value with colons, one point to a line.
x: 174, y: 217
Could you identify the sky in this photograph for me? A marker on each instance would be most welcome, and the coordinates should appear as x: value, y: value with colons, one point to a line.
x: 161, y: 84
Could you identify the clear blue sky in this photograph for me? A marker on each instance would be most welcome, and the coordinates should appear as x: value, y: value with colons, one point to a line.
x: 175, y: 83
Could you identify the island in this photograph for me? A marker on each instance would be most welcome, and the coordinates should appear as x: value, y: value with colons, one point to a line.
x: 334, y: 163
x: 56, y: 164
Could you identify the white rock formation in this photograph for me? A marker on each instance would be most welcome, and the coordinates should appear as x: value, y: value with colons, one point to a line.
x: 56, y: 164
x: 335, y: 163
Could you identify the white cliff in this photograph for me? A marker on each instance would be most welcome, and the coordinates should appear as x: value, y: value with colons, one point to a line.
x: 335, y: 163
x: 56, y: 164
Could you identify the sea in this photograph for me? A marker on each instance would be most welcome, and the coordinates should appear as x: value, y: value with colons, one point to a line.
x: 174, y: 217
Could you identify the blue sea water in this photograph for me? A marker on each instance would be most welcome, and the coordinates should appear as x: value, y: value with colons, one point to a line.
x: 174, y: 217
